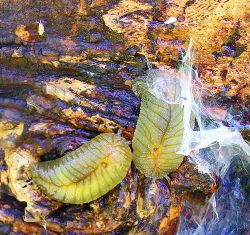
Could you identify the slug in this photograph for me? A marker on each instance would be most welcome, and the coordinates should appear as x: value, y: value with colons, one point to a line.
x: 87, y: 173
x: 158, y: 135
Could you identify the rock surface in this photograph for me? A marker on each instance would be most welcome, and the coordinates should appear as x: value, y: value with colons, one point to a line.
x: 66, y: 74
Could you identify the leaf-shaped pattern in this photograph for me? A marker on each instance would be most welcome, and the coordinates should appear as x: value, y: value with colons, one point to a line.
x: 158, y: 136
x: 87, y: 173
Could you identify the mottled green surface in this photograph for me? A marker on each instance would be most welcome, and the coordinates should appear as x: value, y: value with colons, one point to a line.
x: 158, y: 136
x: 87, y: 173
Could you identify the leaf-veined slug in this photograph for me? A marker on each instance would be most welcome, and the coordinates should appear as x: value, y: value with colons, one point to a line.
x: 158, y: 135
x: 87, y: 173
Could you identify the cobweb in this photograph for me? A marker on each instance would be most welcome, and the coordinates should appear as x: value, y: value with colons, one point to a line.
x: 214, y: 148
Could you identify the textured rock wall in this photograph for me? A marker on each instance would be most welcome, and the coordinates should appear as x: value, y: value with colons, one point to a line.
x: 66, y: 74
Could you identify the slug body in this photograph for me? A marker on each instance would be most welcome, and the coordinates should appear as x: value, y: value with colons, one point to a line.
x: 87, y: 173
x: 158, y: 136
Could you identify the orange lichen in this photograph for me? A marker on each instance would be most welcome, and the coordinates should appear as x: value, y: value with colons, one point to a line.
x: 210, y: 24
x: 22, y: 33
x: 124, y: 19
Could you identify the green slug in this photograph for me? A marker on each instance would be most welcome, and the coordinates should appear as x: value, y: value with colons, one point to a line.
x: 87, y: 173
x: 158, y: 135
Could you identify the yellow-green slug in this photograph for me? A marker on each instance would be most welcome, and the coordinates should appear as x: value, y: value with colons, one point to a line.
x: 87, y: 173
x: 158, y: 134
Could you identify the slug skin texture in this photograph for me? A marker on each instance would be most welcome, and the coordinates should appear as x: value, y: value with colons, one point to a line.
x: 87, y: 173
x: 158, y: 136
